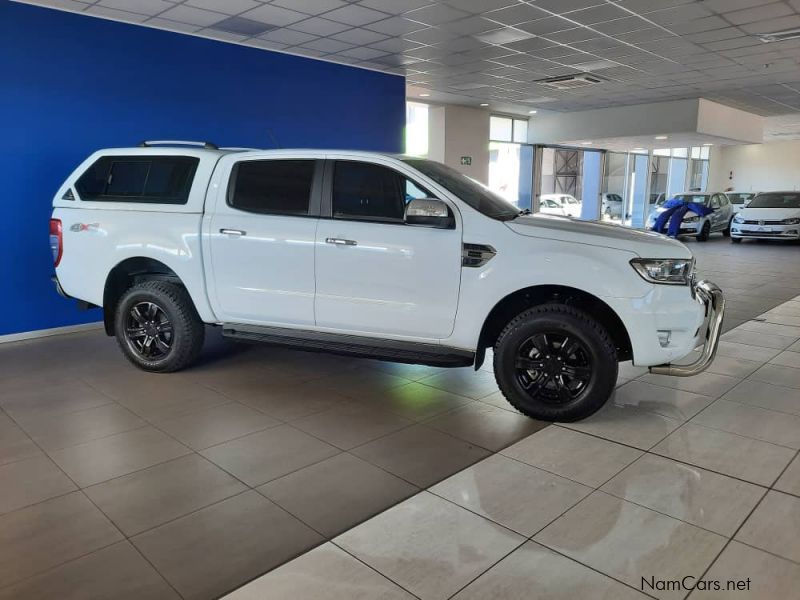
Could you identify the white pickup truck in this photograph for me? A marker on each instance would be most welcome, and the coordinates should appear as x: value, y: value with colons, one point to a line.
x: 385, y: 256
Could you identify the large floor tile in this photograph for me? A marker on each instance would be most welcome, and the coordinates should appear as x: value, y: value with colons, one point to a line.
x: 577, y: 456
x: 171, y: 399
x: 764, y: 340
x: 463, y: 382
x: 753, y: 422
x: 765, y: 395
x: 707, y: 384
x: 428, y: 545
x: 629, y: 542
x: 266, y: 455
x: 50, y: 533
x: 774, y: 526
x: 15, y: 444
x: 338, y: 493
x: 789, y: 481
x: 117, y: 455
x: 326, y: 572
x: 117, y: 572
x: 153, y: 496
x: 708, y: 500
x: 52, y: 433
x: 787, y: 359
x: 734, y: 366
x: 746, y: 351
x: 34, y: 401
x: 745, y: 458
x: 352, y: 424
x: 216, y: 549
x: 765, y: 576
x: 418, y: 402
x: 30, y: 481
x: 360, y: 383
x: 420, y: 454
x: 669, y: 402
x: 289, y: 402
x: 215, y: 425
x: 533, y: 571
x: 778, y: 375
x: 771, y: 328
x: 627, y: 425
x: 485, y: 425
x: 511, y: 493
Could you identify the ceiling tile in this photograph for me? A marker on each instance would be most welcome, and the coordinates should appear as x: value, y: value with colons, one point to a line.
x: 229, y: 7
x: 362, y: 53
x: 435, y: 14
x: 288, y: 37
x: 118, y: 15
x: 394, y: 7
x: 359, y: 36
x: 309, y: 7
x: 193, y: 16
x: 319, y: 26
x: 395, y: 26
x: 355, y: 15
x: 504, y: 36
x: 327, y: 45
x: 274, y: 15
x: 242, y: 26
x: 143, y: 7
x: 480, y: 6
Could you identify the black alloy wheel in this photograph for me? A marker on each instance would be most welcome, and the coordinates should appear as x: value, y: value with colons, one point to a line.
x: 554, y: 367
x: 149, y: 331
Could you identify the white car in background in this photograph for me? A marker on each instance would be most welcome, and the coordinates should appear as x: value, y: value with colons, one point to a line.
x: 612, y: 206
x: 768, y: 216
x: 740, y: 200
x: 551, y: 207
x: 572, y: 207
x: 717, y: 221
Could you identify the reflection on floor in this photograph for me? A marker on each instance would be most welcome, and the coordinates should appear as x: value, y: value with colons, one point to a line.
x: 114, y: 483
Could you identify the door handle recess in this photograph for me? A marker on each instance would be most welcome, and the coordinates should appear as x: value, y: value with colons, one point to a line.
x: 236, y: 232
x: 340, y: 242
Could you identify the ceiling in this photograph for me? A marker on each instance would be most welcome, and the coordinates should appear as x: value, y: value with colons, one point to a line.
x: 495, y: 51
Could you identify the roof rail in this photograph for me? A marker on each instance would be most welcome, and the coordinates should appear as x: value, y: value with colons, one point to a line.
x: 237, y: 149
x: 148, y: 143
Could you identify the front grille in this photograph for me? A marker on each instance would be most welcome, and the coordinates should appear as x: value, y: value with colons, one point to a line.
x: 751, y: 222
x: 762, y: 233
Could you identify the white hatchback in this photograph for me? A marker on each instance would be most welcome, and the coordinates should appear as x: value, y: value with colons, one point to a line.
x: 570, y: 205
x: 769, y: 216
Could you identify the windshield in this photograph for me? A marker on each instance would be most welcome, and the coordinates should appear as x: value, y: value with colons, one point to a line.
x: 468, y: 190
x: 739, y: 198
x: 776, y: 200
x: 569, y: 199
x: 694, y: 198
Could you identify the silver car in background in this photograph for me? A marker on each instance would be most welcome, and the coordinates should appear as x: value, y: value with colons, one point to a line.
x: 717, y: 221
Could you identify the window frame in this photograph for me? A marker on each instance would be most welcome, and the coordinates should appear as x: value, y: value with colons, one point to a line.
x: 514, y: 120
x: 315, y: 193
x: 326, y: 211
x: 142, y: 199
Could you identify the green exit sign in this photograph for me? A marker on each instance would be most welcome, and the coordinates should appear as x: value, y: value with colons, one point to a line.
x: 466, y: 160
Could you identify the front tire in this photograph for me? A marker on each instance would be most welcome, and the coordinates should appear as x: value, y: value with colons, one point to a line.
x: 157, y: 326
x: 555, y: 363
x: 735, y: 240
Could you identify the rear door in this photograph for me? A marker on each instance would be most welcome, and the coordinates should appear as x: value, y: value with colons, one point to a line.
x: 260, y: 238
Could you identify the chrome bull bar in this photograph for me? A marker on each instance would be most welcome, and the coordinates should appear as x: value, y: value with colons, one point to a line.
x: 710, y: 296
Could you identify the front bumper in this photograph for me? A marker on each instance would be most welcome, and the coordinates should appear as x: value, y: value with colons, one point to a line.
x: 765, y: 232
x: 710, y: 296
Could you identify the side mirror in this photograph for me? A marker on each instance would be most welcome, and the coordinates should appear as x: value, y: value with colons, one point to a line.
x: 429, y: 212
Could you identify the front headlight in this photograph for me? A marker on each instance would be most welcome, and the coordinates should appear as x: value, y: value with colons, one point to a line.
x: 670, y: 271
x: 693, y: 219
x: 791, y: 221
x: 738, y: 218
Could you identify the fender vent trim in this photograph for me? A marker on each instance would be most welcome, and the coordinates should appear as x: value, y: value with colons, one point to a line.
x: 476, y: 255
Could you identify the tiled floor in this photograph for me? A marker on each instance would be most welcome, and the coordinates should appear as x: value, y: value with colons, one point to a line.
x: 115, y: 483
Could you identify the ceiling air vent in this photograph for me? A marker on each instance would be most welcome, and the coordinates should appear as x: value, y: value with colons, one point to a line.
x: 779, y: 36
x: 570, y: 82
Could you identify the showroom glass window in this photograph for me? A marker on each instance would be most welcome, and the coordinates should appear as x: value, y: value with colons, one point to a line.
x: 276, y: 187
x: 150, y: 179
x: 371, y: 192
x: 417, y: 129
x: 510, y: 160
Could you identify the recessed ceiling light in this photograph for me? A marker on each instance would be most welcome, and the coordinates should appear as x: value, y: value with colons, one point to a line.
x: 638, y: 149
x: 484, y: 104
x: 586, y: 143
x: 531, y: 112
x: 662, y: 137
x: 708, y: 144
x: 424, y: 95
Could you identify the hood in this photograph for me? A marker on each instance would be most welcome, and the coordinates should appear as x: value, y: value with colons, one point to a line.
x: 645, y: 244
x: 769, y: 214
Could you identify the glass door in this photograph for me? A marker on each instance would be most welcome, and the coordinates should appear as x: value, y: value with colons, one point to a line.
x: 613, y: 206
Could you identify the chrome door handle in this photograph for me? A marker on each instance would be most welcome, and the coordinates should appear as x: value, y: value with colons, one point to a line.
x: 236, y: 232
x: 340, y: 242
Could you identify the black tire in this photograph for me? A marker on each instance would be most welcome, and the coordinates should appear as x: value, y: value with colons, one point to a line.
x: 593, y: 361
x: 735, y: 240
x: 173, y: 326
x: 704, y: 232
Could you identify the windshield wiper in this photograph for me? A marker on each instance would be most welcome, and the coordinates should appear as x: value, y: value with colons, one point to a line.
x: 524, y: 211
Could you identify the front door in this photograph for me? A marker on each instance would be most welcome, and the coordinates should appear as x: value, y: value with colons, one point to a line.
x: 375, y: 274
x: 261, y: 241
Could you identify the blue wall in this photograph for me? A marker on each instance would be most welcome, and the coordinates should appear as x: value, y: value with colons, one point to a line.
x: 70, y: 84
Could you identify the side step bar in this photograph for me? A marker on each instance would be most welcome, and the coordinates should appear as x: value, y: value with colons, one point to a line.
x: 352, y: 345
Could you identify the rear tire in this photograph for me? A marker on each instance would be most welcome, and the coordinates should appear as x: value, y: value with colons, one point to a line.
x: 704, y: 232
x: 555, y: 363
x: 157, y: 326
x: 735, y: 240
x: 727, y: 231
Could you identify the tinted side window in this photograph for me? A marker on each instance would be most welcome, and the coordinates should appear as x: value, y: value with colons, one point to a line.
x: 149, y: 179
x: 280, y: 187
x: 369, y: 192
